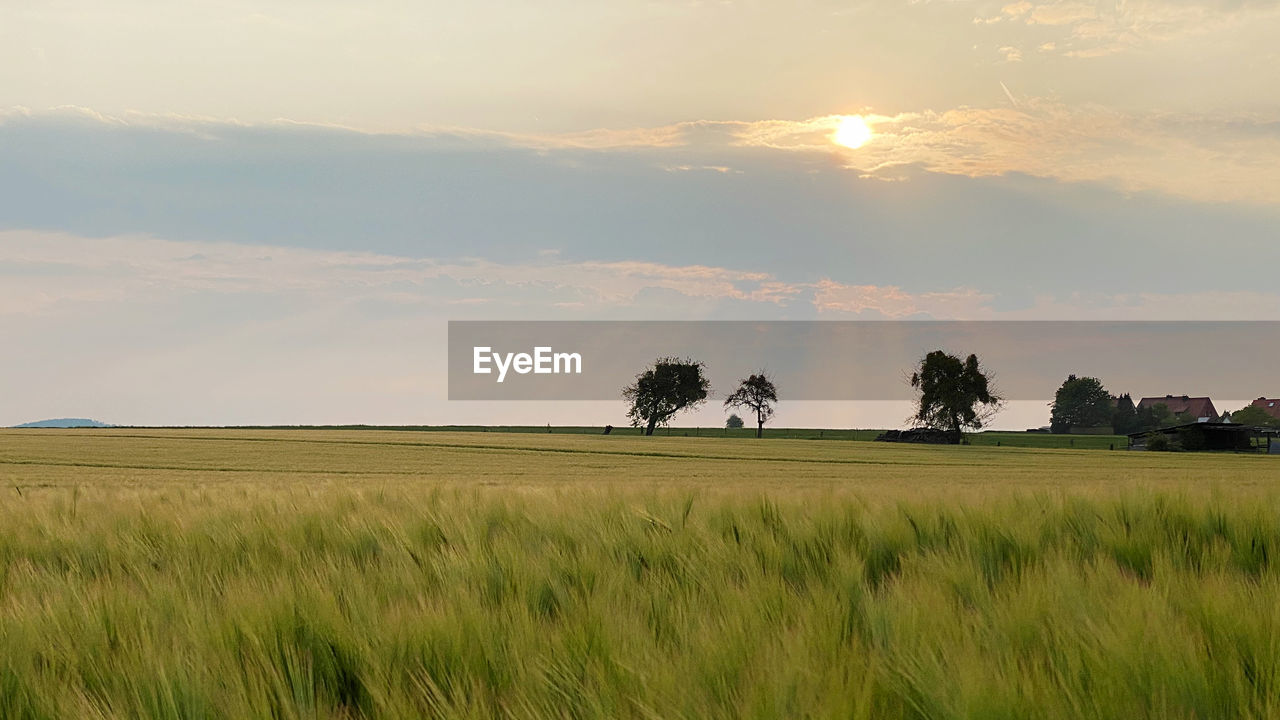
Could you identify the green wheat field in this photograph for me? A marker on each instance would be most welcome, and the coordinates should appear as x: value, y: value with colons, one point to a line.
x: 367, y: 574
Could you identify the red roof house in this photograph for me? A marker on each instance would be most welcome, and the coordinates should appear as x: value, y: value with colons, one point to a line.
x: 1269, y: 406
x: 1198, y: 408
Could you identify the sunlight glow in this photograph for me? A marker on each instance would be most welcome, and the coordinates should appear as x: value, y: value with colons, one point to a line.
x: 853, y: 132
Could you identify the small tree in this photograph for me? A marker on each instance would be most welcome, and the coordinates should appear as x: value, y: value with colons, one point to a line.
x: 1160, y: 416
x: 758, y: 393
x: 1254, y: 416
x: 734, y: 422
x: 954, y: 394
x: 1081, y: 402
x: 664, y: 389
x: 1145, y: 419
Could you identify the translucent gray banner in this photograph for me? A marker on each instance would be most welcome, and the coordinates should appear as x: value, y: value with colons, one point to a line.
x: 855, y: 360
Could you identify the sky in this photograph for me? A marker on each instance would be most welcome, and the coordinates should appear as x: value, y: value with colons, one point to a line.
x: 224, y: 213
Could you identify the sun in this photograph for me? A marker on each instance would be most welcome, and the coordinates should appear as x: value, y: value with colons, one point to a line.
x: 853, y: 132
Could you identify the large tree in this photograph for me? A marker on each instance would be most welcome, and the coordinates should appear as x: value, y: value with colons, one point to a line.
x: 1081, y: 402
x: 955, y: 394
x: 757, y: 393
x: 664, y: 389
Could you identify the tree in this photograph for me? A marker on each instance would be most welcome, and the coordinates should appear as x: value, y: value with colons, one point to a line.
x: 954, y: 394
x: 758, y: 393
x: 1124, y: 418
x: 734, y: 422
x: 1160, y: 416
x: 1153, y: 417
x: 1254, y: 416
x: 1081, y: 402
x: 664, y: 389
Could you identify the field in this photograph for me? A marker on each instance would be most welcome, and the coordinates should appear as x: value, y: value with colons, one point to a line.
x: 996, y: 438
x: 345, y: 574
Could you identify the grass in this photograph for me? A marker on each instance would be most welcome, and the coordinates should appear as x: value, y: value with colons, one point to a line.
x: 327, y: 574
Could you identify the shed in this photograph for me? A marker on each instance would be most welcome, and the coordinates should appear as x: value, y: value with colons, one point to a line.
x: 1198, y: 436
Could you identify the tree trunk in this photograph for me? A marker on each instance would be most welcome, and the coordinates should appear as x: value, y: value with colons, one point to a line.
x: 759, y: 426
x: 653, y: 422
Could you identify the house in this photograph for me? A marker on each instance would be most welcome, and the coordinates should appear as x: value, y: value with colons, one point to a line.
x: 1268, y: 405
x: 1199, y: 409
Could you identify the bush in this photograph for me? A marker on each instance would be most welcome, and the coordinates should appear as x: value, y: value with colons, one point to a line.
x: 1158, y: 443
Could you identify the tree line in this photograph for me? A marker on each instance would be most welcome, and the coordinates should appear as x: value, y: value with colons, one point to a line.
x: 953, y: 394
x: 1084, y: 403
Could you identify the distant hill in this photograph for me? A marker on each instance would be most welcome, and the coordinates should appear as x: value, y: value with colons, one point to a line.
x: 65, y: 423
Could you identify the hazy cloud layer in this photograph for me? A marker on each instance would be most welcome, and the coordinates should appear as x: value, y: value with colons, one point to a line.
x: 751, y: 197
x: 1213, y: 158
x: 1092, y: 29
x: 566, y: 65
x: 47, y: 275
x: 44, y: 273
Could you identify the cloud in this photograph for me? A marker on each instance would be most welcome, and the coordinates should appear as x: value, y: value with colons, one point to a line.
x: 212, y: 128
x: 43, y: 272
x: 1061, y: 13
x: 50, y: 274
x: 1094, y: 29
x: 1184, y: 306
x: 47, y: 273
x: 895, y: 303
x: 892, y: 303
x: 1216, y: 158
x: 1017, y: 9
x: 971, y: 184
x: 1011, y: 54
x: 1219, y: 159
x: 598, y: 139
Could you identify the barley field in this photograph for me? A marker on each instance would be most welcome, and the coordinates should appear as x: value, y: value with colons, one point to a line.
x: 366, y: 574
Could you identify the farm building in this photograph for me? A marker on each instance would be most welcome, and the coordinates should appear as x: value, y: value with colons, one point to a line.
x: 1206, y: 436
x: 1199, y: 408
x: 1268, y: 405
